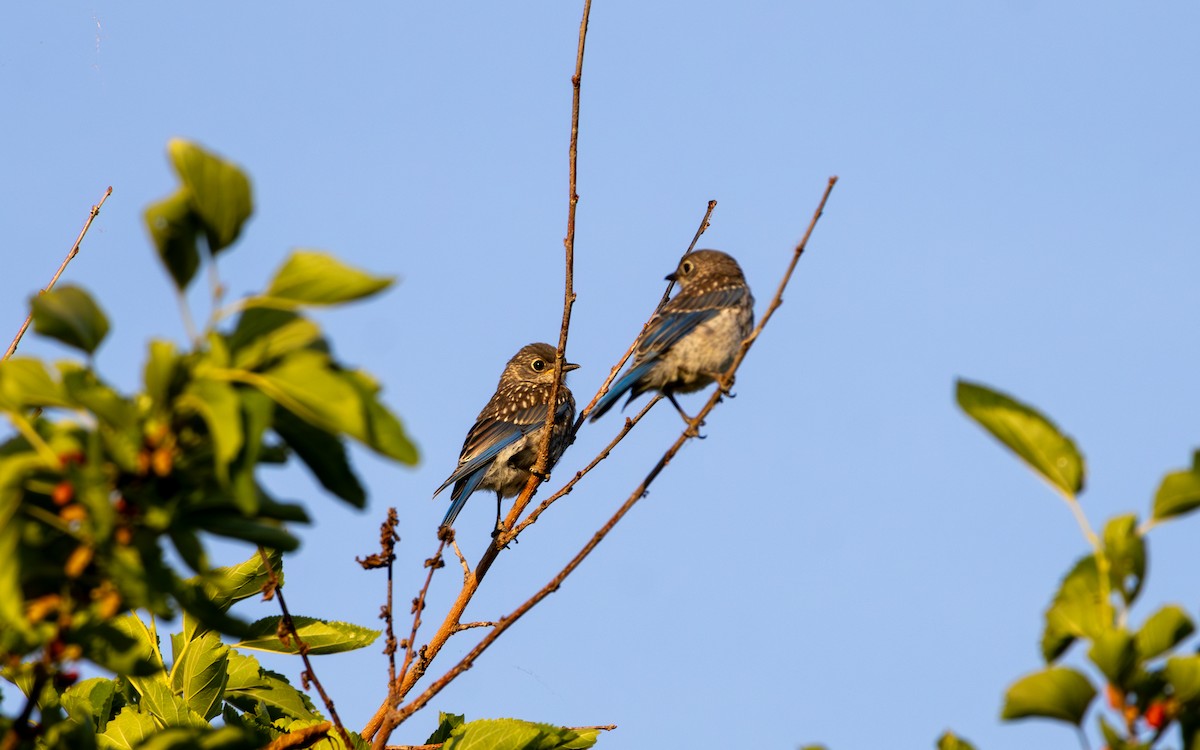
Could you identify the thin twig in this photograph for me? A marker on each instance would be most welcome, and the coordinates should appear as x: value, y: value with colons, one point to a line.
x: 433, y: 563
x: 386, y: 558
x: 480, y: 624
x: 62, y: 267
x: 566, y: 488
x: 612, y: 374
x: 398, y: 715
x: 301, y: 647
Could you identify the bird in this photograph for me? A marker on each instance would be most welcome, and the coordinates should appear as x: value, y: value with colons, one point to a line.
x: 693, y: 338
x: 502, y: 446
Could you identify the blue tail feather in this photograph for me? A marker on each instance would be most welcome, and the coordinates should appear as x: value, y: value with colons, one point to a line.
x: 624, y: 384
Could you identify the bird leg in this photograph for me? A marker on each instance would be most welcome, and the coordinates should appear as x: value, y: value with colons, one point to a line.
x: 695, y: 429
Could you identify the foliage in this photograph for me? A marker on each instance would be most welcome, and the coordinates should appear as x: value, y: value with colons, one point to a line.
x: 101, y: 491
x: 1151, y: 687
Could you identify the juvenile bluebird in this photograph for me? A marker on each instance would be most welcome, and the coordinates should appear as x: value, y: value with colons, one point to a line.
x: 502, y: 446
x: 692, y: 340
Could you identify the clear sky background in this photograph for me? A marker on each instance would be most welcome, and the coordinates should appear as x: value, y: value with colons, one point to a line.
x: 846, y: 558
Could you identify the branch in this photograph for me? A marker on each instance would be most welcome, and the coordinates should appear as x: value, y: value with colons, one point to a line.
x: 418, y: 606
x: 396, y: 716
x: 612, y: 374
x: 274, y: 588
x: 62, y: 267
x: 387, y: 558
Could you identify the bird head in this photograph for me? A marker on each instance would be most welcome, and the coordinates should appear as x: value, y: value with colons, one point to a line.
x: 705, y: 264
x: 535, y: 364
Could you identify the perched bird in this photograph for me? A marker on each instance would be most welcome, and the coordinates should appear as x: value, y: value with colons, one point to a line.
x: 692, y: 340
x: 502, y: 446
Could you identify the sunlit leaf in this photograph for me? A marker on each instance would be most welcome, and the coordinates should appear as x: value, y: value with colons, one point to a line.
x: 1126, y: 552
x: 219, y: 192
x: 1183, y: 673
x: 199, y: 674
x: 1114, y: 655
x: 1163, y: 631
x: 514, y: 734
x: 321, y: 636
x: 90, y: 702
x: 1078, y: 610
x: 950, y: 741
x: 249, y: 683
x: 25, y: 382
x: 129, y: 729
x: 218, y: 405
x: 1058, y: 693
x: 1027, y: 433
x: 316, y: 278
x: 1178, y: 494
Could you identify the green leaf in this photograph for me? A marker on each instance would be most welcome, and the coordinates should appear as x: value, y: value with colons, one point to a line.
x: 1126, y: 552
x: 159, y: 372
x: 306, y: 385
x: 324, y: 454
x: 1058, y: 693
x: 118, y: 647
x: 950, y: 741
x: 1114, y: 655
x: 316, y: 278
x: 263, y: 336
x: 250, y: 684
x: 1027, y: 433
x: 25, y: 382
x: 385, y: 435
x: 447, y: 723
x: 199, y: 674
x: 321, y: 636
x: 1178, y: 494
x: 174, y: 226
x: 205, y: 738
x: 128, y: 729
x: 1163, y: 631
x: 218, y: 405
x: 225, y: 586
x: 237, y: 526
x: 90, y: 702
x: 514, y: 734
x: 1183, y: 674
x: 68, y: 314
x: 219, y: 192
x: 1077, y: 611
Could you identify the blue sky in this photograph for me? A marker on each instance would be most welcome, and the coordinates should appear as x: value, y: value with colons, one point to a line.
x: 846, y: 558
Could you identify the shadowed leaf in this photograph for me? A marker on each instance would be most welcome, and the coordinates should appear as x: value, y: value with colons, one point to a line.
x: 1058, y: 693
x: 219, y: 192
x: 70, y: 315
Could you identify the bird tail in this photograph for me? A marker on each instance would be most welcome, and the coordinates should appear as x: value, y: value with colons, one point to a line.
x: 626, y: 382
x: 462, y: 490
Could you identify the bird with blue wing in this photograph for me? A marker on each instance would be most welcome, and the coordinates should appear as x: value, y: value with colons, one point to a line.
x: 693, y: 338
x: 502, y: 446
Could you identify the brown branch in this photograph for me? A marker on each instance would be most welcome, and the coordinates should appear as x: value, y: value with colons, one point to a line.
x: 566, y: 488
x: 398, y: 715
x: 386, y: 558
x: 418, y: 606
x: 276, y: 589
x: 612, y: 374
x: 62, y: 267
x: 469, y: 625
x: 303, y: 737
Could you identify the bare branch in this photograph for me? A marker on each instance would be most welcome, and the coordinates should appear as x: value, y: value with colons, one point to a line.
x: 62, y: 267
x: 301, y: 646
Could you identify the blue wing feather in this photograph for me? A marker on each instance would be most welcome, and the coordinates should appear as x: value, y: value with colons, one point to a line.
x: 622, y: 386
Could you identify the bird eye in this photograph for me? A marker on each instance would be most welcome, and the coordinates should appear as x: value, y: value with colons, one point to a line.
x: 686, y: 267
x: 538, y: 365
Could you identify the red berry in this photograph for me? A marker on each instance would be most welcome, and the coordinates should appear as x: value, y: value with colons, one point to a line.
x: 63, y: 493
x: 1156, y: 715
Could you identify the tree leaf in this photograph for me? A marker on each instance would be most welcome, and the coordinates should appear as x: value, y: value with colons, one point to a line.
x: 263, y: 336
x: 384, y: 433
x: 1163, y: 631
x: 227, y: 585
x: 70, y: 315
x: 129, y: 729
x: 324, y: 454
x: 219, y: 192
x: 237, y: 526
x: 950, y: 741
x: 90, y: 702
x: 321, y: 636
x: 218, y: 405
x: 25, y: 382
x: 174, y: 226
x: 199, y: 674
x: 1077, y: 611
x: 1178, y: 494
x: 1026, y: 432
x: 1058, y: 693
x: 316, y: 278
x: 1126, y: 552
x: 250, y: 683
x: 1183, y: 673
x: 514, y: 734
x: 1114, y: 655
x: 159, y: 373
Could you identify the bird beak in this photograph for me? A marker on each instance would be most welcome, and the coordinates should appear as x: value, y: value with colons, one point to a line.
x: 568, y: 366
x: 672, y: 276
